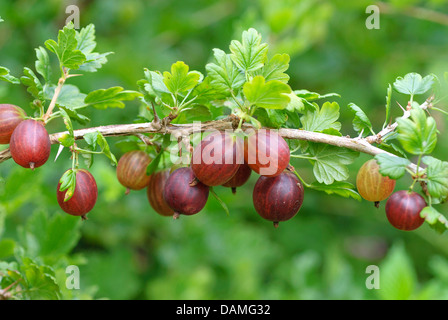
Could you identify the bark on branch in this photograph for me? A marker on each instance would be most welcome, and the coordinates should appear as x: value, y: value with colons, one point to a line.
x: 357, y: 144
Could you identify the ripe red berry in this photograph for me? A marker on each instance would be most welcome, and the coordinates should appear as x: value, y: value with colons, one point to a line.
x: 30, y: 144
x: 10, y: 117
x: 183, y: 194
x: 266, y: 153
x: 84, y: 197
x: 403, y: 210
x: 278, y: 198
x: 217, y: 158
x: 131, y: 170
x: 371, y: 184
x: 154, y: 192
x: 239, y: 178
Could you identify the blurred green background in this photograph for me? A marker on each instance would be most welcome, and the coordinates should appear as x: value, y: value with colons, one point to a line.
x: 126, y: 251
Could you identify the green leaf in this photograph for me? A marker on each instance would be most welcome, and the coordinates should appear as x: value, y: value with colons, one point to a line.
x: 250, y: 54
x: 417, y: 135
x: 295, y: 104
x: 269, y: 95
x: 275, y: 68
x: 110, y: 98
x: 53, y: 236
x: 154, y: 164
x: 69, y: 96
x: 66, y: 48
x: 43, y: 66
x: 5, y: 76
x: 311, y: 96
x: 343, y: 189
x: 224, y: 75
x: 30, y: 80
x: 40, y: 281
x: 413, y: 84
x: 195, y: 113
x: 95, y: 139
x: 330, y: 162
x: 206, y: 92
x: 321, y: 119
x: 180, y: 79
x: 86, y: 44
x: 436, y: 220
x: 393, y: 167
x: 437, y: 177
x: 361, y: 122
x: 398, y: 278
x: 74, y: 115
x: 271, y: 118
x: 68, y: 184
x: 128, y: 144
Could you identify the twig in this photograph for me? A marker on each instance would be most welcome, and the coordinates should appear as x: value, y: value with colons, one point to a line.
x: 176, y: 130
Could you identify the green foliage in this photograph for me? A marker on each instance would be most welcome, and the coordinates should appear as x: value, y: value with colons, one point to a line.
x: 218, y: 256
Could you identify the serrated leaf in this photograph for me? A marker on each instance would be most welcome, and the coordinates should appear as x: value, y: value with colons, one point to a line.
x: 295, y: 104
x: 437, y: 177
x: 85, y: 39
x: 269, y: 95
x: 181, y: 79
x: 393, y: 167
x: 224, y: 75
x: 30, y: 80
x: 321, y: 119
x: 271, y: 118
x: 413, y: 84
x: 206, y: 92
x: 361, y: 122
x: 275, y: 68
x: 418, y: 135
x: 66, y: 48
x: 343, y: 189
x: 250, y: 54
x: 435, y: 219
x: 330, y: 162
x: 6, y: 76
x: 86, y: 44
x: 40, y: 281
x: 110, y: 98
x: 69, y: 96
x: 195, y: 113
x: 43, y: 63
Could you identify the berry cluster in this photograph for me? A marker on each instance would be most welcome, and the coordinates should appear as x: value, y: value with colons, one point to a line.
x: 220, y: 159
x: 30, y: 147
x: 402, y: 208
